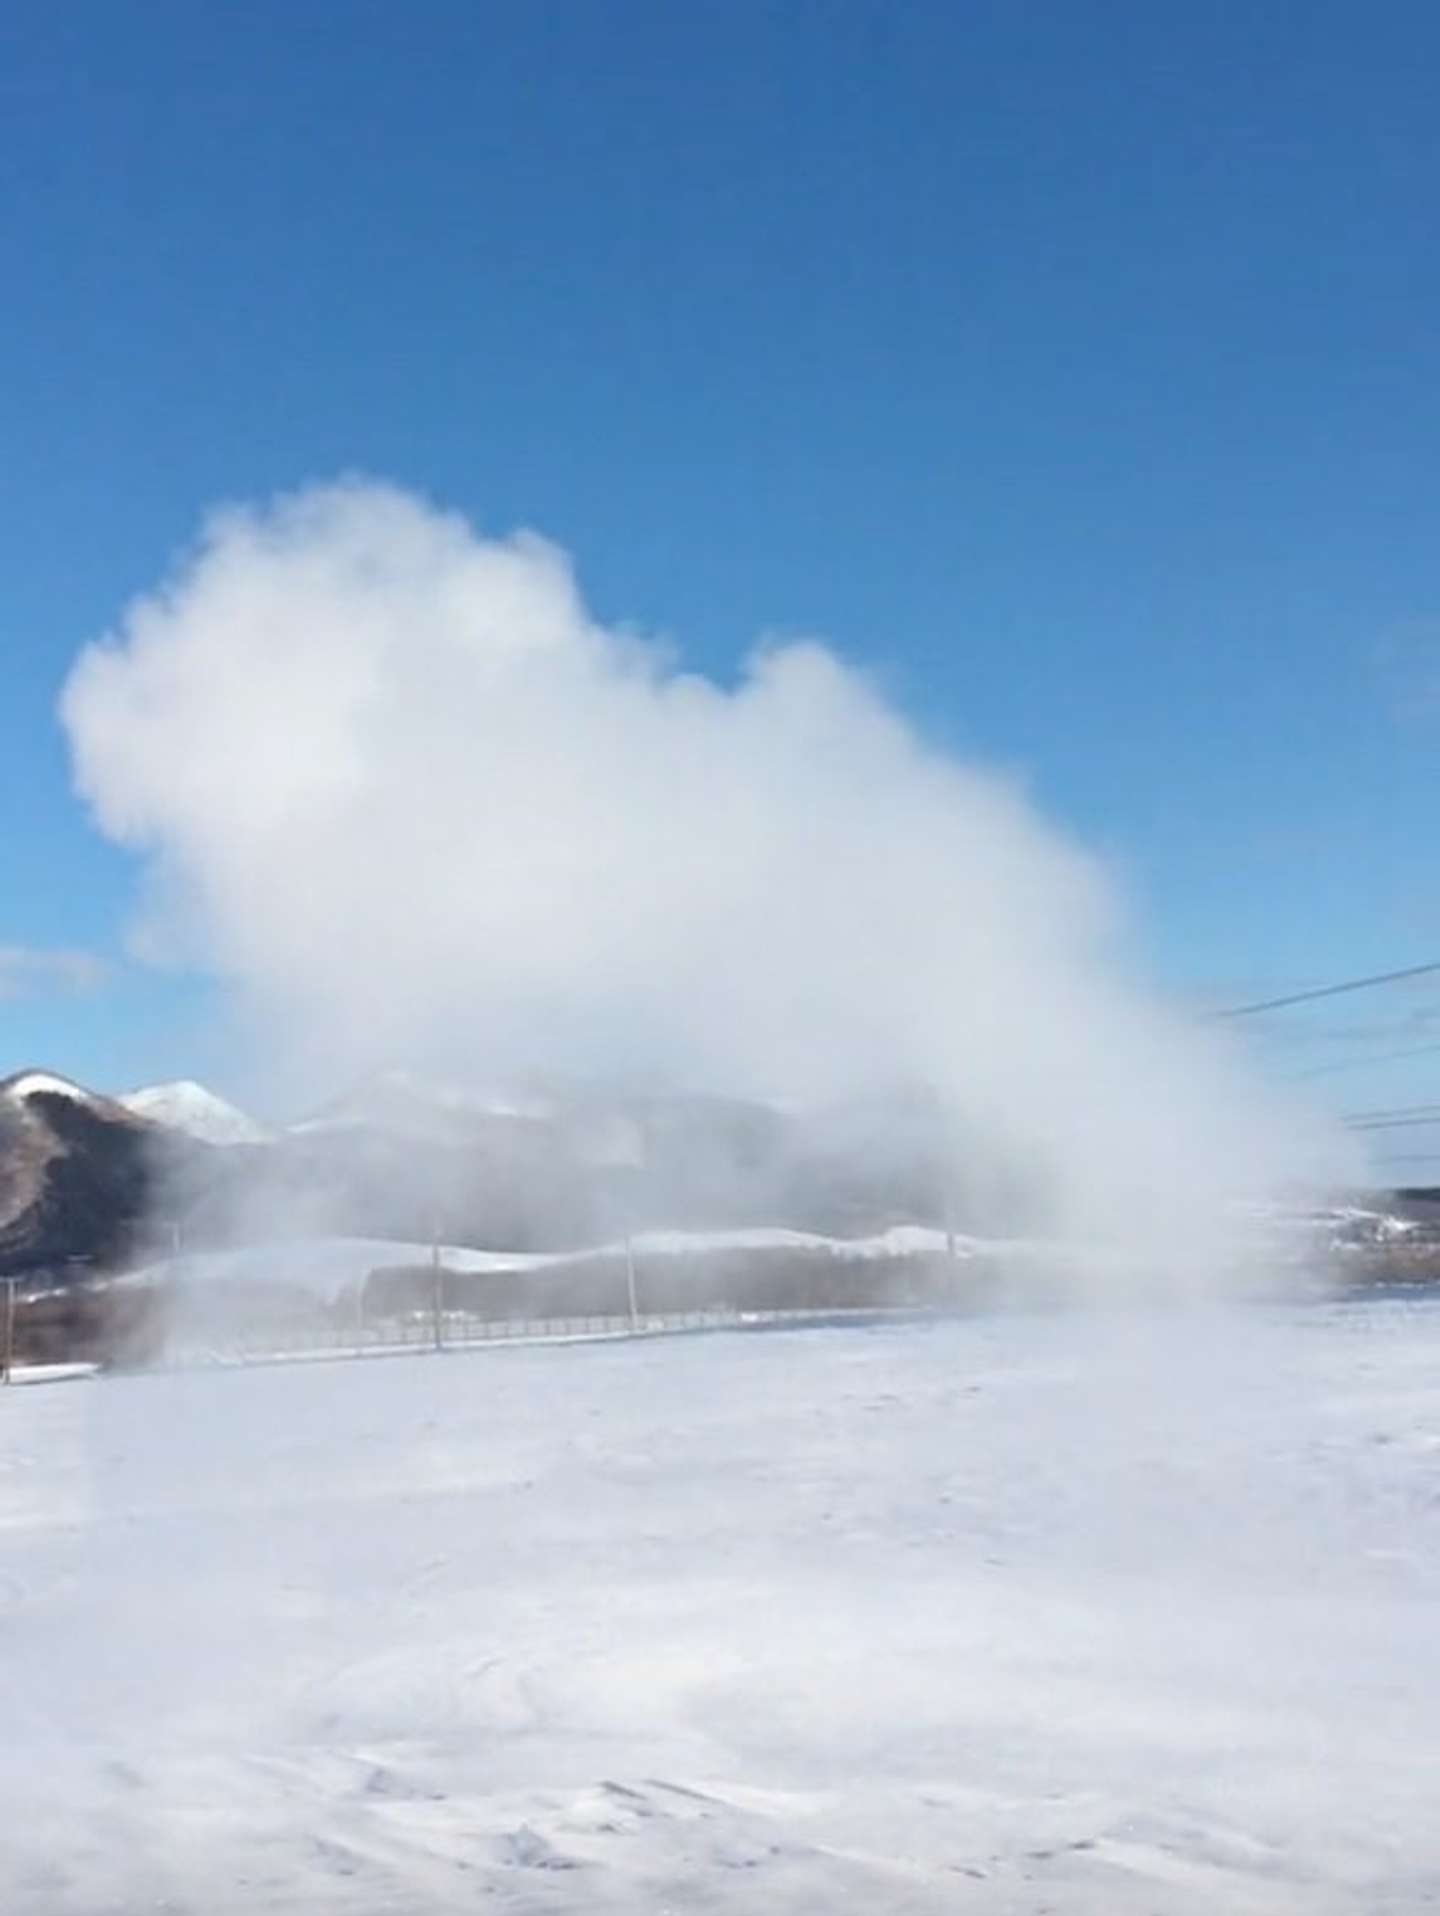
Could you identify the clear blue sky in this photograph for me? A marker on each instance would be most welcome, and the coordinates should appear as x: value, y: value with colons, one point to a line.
x: 1076, y: 363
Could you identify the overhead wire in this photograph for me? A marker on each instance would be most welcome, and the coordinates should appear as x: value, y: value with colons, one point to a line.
x: 1372, y: 1057
x: 1374, y: 1120
x: 1327, y: 991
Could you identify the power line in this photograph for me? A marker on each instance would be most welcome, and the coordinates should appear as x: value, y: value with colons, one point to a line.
x: 1393, y: 1124
x: 1327, y: 991
x: 1370, y: 1057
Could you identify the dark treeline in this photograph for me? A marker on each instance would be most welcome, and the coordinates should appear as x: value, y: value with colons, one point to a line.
x: 669, y: 1284
x: 91, y: 1323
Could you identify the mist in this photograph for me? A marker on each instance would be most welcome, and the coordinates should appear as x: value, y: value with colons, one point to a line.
x: 1063, y: 1601
x: 389, y: 779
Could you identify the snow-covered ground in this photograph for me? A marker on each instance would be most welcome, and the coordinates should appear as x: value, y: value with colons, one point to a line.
x: 50, y: 1373
x: 1016, y: 1615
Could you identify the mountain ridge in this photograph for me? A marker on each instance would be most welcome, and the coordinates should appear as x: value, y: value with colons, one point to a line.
x: 183, y: 1104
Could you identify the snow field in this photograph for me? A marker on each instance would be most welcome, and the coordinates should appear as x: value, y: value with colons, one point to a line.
x: 1016, y: 1615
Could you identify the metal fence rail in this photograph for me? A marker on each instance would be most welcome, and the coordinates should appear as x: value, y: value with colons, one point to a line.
x: 457, y: 1331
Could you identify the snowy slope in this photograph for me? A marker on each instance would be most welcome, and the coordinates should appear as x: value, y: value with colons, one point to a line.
x: 329, y: 1265
x: 406, y: 1102
x: 995, y: 1617
x: 189, y: 1107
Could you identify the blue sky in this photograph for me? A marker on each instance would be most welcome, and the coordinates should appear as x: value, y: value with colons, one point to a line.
x: 1074, y: 365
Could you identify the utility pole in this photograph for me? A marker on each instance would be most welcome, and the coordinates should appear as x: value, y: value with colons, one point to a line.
x: 437, y: 1286
x: 7, y: 1353
x: 630, y: 1283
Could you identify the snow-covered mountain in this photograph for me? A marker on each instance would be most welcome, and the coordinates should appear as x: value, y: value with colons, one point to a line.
x: 200, y: 1113
x: 404, y: 1103
x: 18, y: 1090
x: 78, y: 1175
x: 92, y: 1182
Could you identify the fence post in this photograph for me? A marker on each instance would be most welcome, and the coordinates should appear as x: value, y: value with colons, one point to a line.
x: 9, y: 1343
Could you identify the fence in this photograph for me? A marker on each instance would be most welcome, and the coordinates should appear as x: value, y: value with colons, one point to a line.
x: 299, y: 1343
x: 184, y: 1318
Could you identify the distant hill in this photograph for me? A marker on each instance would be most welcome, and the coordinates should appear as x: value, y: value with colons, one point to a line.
x: 79, y: 1177
x: 88, y: 1177
x: 90, y: 1183
x: 199, y: 1113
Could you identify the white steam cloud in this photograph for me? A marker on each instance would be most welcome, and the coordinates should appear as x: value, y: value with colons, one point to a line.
x: 393, y: 781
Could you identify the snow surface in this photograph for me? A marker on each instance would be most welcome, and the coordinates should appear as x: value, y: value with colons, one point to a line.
x: 190, y: 1107
x: 50, y: 1373
x: 1003, y: 1616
